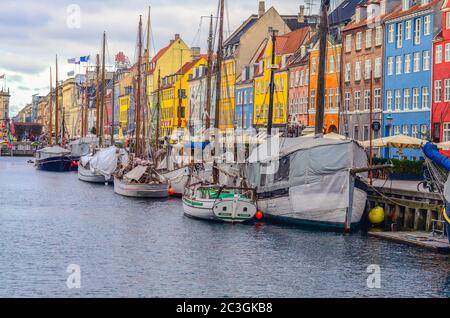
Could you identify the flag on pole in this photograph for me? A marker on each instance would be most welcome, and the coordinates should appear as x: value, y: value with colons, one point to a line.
x: 71, y: 73
x: 2, y: 76
x: 85, y: 58
x: 73, y: 61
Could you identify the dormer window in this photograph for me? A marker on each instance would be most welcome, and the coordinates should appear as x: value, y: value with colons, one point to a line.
x: 405, y: 4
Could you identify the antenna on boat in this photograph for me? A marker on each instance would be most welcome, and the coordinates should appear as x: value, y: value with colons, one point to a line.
x: 50, y: 122
x: 56, y: 105
x: 97, y: 106
x: 102, y: 96
x: 323, y: 34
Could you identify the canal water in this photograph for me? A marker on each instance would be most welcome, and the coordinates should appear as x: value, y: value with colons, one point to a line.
x: 138, y: 248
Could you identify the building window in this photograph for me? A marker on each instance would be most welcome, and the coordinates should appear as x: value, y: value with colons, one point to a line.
x: 347, y: 101
x: 416, y: 62
x: 331, y: 64
x: 425, y: 98
x: 313, y: 65
x: 447, y: 90
x: 390, y: 65
x: 330, y: 98
x: 438, y: 54
x: 348, y: 43
x: 366, y: 99
x: 302, y: 76
x: 447, y: 20
x: 447, y: 52
x: 338, y: 63
x: 389, y: 100
x: 398, y: 64
x: 347, y: 72
x: 446, y: 135
x: 358, y: 41
x: 408, y: 30
x: 427, y: 25
x: 406, y: 99
x: 366, y: 132
x: 407, y: 63
x: 357, y: 101
x: 414, y: 131
x: 423, y: 131
x: 358, y: 71
x: 398, y: 97
x: 396, y: 130
x: 391, y: 33
x: 415, y: 101
x: 368, y: 38
x: 378, y: 35
x: 356, y: 132
x: 437, y: 91
x: 377, y: 98
x: 313, y: 99
x: 377, y: 67
x: 405, y: 130
x: 417, y: 27
x: 399, y: 34
x: 367, y: 69
x: 338, y: 98
x: 426, y: 60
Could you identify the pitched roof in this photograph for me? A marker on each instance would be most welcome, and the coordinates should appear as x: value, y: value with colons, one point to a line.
x: 290, y: 42
x: 235, y: 38
x: 187, y: 66
x: 364, y: 21
x: 344, y: 12
x: 398, y: 12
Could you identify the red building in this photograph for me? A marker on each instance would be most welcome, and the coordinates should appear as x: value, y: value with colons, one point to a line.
x: 441, y: 79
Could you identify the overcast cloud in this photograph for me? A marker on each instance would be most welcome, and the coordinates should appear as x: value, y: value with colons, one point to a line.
x: 33, y: 32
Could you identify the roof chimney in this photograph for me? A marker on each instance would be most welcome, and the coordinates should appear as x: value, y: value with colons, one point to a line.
x: 301, y: 14
x: 195, y: 53
x: 382, y: 7
x: 357, y: 13
x: 177, y: 37
x: 261, y: 9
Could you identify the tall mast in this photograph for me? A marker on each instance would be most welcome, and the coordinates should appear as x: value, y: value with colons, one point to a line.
x: 272, y: 84
x: 113, y: 98
x: 323, y: 32
x: 103, y: 87
x: 370, y: 129
x: 50, y: 122
x: 218, y: 83
x: 138, y: 99
x: 209, y: 74
x: 86, y: 105
x: 148, y: 38
x: 158, y: 107
x: 56, y: 105
x: 97, y: 108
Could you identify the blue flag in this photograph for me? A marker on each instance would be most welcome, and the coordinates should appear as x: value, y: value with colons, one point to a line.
x: 85, y: 58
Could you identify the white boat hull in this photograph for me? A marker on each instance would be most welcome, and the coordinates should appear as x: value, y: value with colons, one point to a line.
x: 229, y: 210
x: 137, y: 190
x: 281, y: 209
x: 88, y: 176
x: 177, y: 180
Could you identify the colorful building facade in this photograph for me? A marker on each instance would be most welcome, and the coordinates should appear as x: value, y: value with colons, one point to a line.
x: 440, y: 129
x: 408, y: 37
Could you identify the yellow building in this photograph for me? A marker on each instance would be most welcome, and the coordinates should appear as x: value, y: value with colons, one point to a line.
x: 71, y: 108
x: 227, y: 101
x: 285, y: 47
x: 166, y: 62
x: 175, y: 97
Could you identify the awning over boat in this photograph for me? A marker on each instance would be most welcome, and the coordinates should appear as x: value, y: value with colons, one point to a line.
x: 196, y: 145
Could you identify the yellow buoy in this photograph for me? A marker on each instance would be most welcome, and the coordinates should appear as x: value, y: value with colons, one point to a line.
x: 376, y: 215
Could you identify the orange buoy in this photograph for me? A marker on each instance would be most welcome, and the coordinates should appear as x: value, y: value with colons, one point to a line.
x: 259, y: 215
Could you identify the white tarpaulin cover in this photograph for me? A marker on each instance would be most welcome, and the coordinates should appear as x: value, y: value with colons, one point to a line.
x: 104, y: 162
x: 295, y: 161
x: 50, y: 152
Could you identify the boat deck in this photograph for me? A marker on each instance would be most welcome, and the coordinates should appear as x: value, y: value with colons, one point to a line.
x: 417, y: 238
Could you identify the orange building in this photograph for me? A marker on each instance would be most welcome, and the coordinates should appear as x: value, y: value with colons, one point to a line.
x: 332, y: 84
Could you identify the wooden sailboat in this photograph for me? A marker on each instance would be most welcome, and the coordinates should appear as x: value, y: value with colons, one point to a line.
x: 138, y: 178
x: 54, y: 157
x: 98, y: 165
x: 214, y: 201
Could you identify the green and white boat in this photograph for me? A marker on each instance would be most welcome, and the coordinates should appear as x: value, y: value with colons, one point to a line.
x: 219, y: 203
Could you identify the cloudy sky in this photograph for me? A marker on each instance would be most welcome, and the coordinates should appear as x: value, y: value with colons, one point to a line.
x: 33, y: 32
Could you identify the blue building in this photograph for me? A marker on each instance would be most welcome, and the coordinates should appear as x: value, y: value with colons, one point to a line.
x: 244, y: 99
x: 408, y: 36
